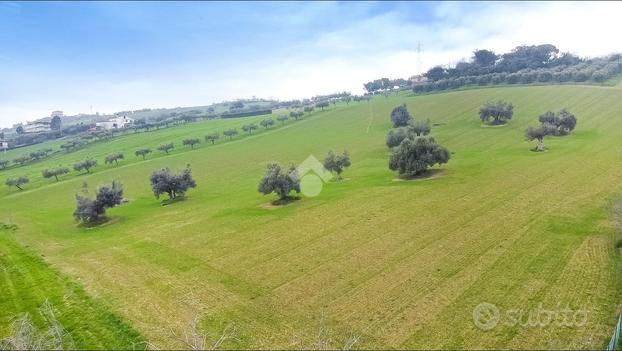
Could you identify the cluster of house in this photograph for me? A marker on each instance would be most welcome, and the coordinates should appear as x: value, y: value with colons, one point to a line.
x: 119, y: 122
x: 45, y: 124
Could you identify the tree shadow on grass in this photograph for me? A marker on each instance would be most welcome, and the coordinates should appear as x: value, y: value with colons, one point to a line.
x: 100, y: 222
x: 173, y: 200
x: 429, y: 174
x: 281, y: 202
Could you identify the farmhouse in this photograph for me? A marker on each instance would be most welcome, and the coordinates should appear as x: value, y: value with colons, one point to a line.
x: 116, y: 123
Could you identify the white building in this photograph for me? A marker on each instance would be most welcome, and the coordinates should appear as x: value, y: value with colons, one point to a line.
x: 116, y: 123
x: 4, y: 145
x: 37, y: 127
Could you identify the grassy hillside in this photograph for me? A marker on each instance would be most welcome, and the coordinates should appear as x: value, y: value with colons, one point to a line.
x: 393, y: 264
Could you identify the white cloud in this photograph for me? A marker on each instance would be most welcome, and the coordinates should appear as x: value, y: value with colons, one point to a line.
x: 343, y: 59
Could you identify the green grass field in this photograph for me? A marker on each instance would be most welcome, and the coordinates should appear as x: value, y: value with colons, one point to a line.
x: 391, y: 264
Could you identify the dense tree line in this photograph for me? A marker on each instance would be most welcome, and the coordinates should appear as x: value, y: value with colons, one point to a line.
x: 523, y: 65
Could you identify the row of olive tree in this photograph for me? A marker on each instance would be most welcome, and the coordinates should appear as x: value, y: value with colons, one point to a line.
x: 92, y: 211
x: 30, y: 157
x: 282, y: 181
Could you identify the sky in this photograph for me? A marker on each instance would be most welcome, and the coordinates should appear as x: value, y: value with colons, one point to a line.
x: 82, y: 57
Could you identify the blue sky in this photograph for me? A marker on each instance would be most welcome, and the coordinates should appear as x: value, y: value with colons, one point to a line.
x: 112, y: 56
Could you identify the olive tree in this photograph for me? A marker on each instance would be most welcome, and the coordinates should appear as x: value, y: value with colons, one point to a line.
x: 92, y: 211
x: 322, y: 105
x: 396, y: 135
x: 296, y: 114
x: 267, y: 123
x: 280, y: 181
x: 539, y: 133
x: 192, y: 142
x: 85, y: 165
x: 561, y: 123
x: 54, y: 172
x: 499, y: 111
x: 230, y: 133
x: 175, y: 185
x: 166, y: 147
x: 249, y: 128
x: 21, y: 160
x: 337, y: 163
x: 142, y: 152
x: 414, y: 157
x: 400, y: 116
x: 308, y: 109
x: 114, y: 158
x: 212, y: 137
x: 4, y: 164
x: 420, y: 127
x: 17, y: 182
x: 282, y: 118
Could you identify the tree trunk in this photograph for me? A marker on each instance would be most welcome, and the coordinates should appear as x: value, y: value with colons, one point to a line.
x: 55, y: 176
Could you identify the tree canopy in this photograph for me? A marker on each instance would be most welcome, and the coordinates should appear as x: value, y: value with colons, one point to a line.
x: 400, y: 116
x: 280, y: 181
x: 93, y: 211
x: 114, y: 158
x: 414, y: 157
x: 175, y: 185
x: 54, y: 172
x: 499, y: 111
x: 539, y: 133
x: 337, y: 163
x: 192, y: 142
x: 85, y: 165
x: 249, y: 128
x: 166, y: 147
x: 212, y: 137
x: 561, y: 123
x: 17, y: 182
x: 230, y: 133
x: 142, y: 152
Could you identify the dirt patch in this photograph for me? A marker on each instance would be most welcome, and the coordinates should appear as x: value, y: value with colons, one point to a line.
x: 493, y: 125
